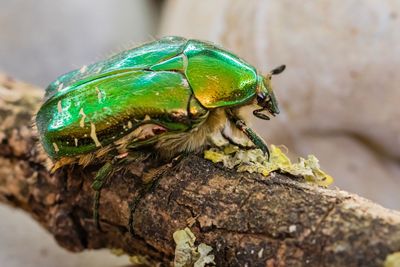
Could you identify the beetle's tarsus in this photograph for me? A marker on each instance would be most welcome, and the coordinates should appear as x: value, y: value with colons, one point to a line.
x: 96, y: 202
x: 132, y: 209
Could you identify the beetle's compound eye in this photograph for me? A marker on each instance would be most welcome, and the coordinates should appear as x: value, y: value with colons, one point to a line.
x: 278, y: 70
x: 260, y: 98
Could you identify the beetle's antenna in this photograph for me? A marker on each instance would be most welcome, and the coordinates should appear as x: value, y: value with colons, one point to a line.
x: 260, y: 115
x: 278, y: 70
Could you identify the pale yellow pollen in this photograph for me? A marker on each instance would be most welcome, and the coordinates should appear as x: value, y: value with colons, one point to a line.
x: 146, y: 118
x: 93, y: 134
x: 56, y: 149
x: 185, y: 62
x: 83, y: 69
x: 76, y: 141
x: 82, y: 121
x: 60, y: 87
x: 130, y: 125
x: 59, y: 107
x: 185, y: 83
x: 99, y: 95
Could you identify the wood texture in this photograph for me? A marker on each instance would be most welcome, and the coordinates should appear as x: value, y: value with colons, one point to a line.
x: 249, y: 220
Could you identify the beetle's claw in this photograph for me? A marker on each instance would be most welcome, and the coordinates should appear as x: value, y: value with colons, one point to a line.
x: 267, y: 152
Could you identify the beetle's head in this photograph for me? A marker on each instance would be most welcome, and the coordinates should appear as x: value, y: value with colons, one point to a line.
x: 265, y: 96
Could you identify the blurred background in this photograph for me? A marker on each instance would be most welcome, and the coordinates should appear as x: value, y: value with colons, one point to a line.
x: 339, y: 97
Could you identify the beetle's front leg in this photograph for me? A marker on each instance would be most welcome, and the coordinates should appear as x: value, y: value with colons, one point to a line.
x: 241, y: 125
x: 233, y: 142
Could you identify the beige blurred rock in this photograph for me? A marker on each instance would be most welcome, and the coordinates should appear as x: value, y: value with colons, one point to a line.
x: 340, y: 95
x: 25, y: 243
x: 40, y: 40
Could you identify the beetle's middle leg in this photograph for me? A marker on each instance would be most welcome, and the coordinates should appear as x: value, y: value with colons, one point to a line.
x: 99, y: 181
x: 97, y: 185
x: 241, y: 125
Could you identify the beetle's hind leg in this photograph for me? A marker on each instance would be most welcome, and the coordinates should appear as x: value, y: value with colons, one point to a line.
x: 241, y: 125
x: 97, y: 185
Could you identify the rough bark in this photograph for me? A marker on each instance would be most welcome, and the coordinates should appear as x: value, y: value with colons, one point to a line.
x: 248, y: 219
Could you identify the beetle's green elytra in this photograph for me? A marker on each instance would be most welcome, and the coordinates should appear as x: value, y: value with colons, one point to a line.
x: 171, y: 93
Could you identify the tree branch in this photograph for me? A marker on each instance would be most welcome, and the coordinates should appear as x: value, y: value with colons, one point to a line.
x: 246, y: 218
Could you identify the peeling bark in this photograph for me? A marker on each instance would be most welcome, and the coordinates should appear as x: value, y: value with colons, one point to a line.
x: 246, y: 218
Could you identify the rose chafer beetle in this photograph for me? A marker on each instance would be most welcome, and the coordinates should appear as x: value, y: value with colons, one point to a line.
x: 171, y: 95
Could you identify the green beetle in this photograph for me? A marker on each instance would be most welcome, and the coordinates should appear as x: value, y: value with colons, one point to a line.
x: 170, y: 94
